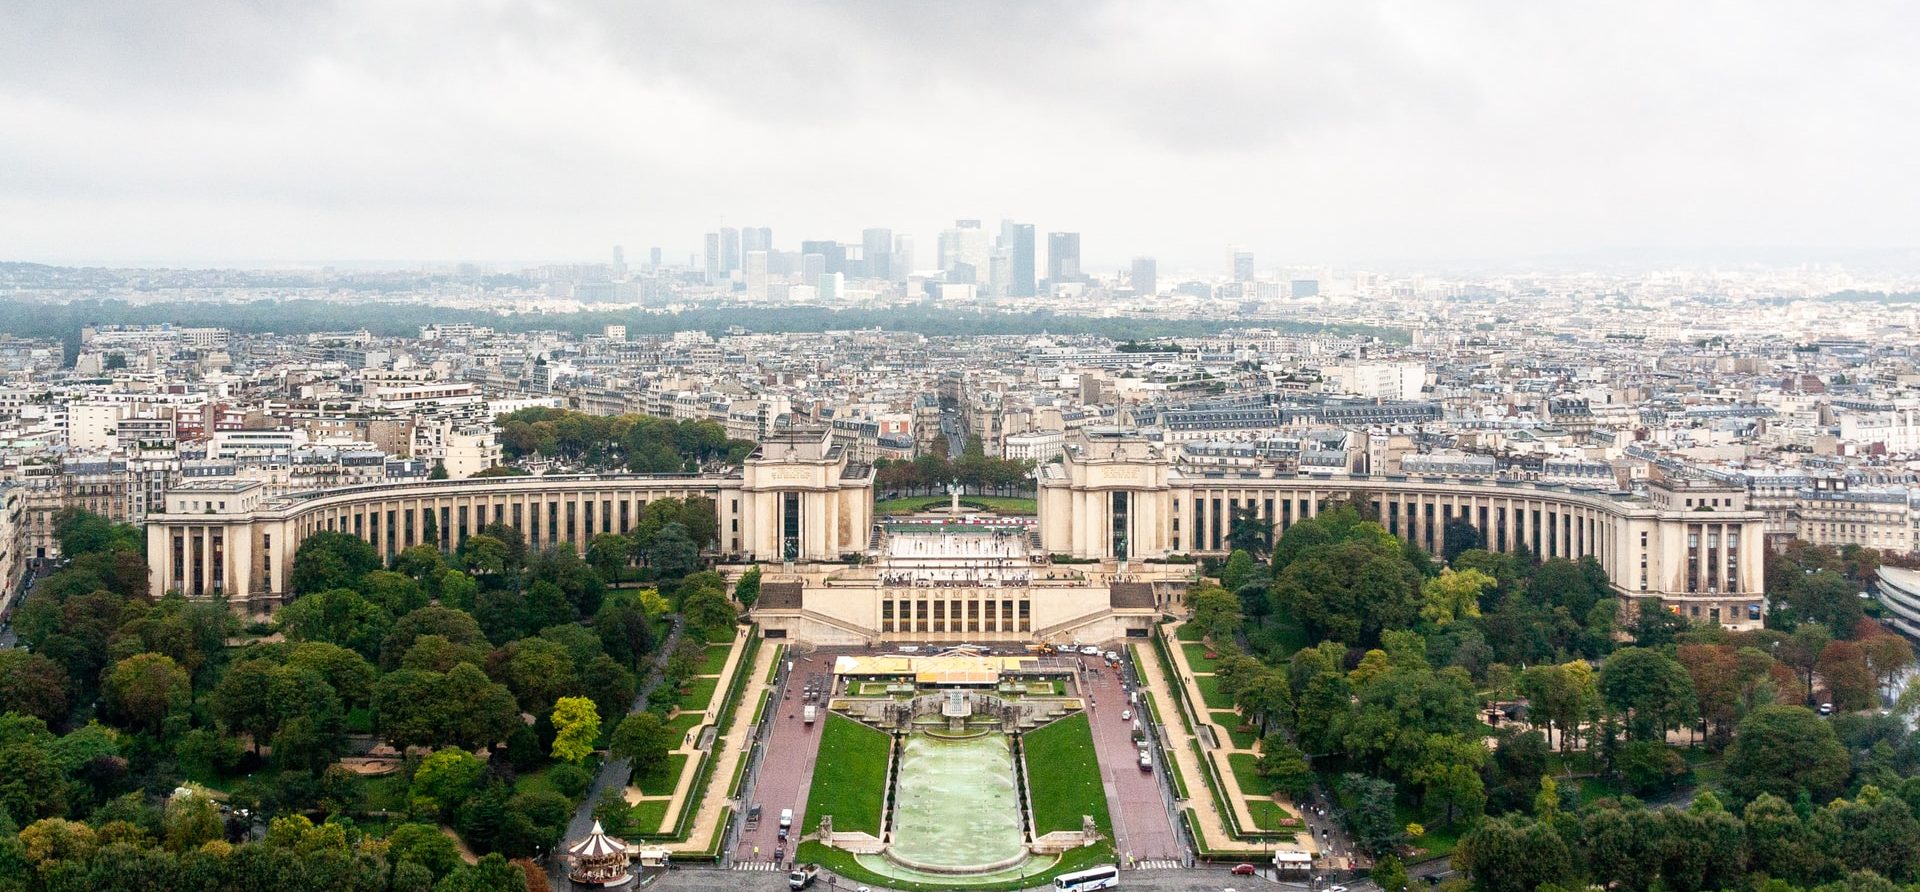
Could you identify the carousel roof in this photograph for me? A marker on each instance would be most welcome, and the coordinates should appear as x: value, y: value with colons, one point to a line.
x: 597, y: 845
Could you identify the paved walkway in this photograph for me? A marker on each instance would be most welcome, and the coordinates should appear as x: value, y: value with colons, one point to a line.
x: 690, y: 742
x: 1225, y: 747
x: 1210, y: 825
x: 732, y: 749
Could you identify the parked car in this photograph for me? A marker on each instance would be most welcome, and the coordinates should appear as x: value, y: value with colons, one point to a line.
x: 1243, y: 870
x: 1826, y: 709
x: 1126, y: 715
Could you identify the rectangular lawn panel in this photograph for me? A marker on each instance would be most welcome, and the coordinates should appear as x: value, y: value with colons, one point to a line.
x: 1063, y: 773
x: 849, y: 779
x: 646, y: 815
x: 1230, y: 720
x: 1210, y: 692
x: 715, y: 660
x: 1197, y: 657
x: 662, y: 782
x: 1249, y: 780
x: 698, y: 693
x: 1268, y: 815
x: 1188, y: 632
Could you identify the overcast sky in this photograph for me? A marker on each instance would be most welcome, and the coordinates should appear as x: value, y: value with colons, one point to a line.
x: 1331, y: 132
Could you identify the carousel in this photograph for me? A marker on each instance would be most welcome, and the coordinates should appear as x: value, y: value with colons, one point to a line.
x: 598, y: 861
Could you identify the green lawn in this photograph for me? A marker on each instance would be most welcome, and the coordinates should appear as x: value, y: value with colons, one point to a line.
x: 1067, y: 784
x: 850, y: 777
x: 1230, y: 720
x: 1210, y: 693
x: 646, y: 815
x: 684, y: 722
x: 1188, y: 632
x: 760, y: 708
x: 995, y: 504
x: 715, y: 660
x: 1268, y: 815
x: 773, y: 666
x: 662, y: 783
x: 698, y: 693
x: 1249, y: 780
x: 720, y: 635
x: 1197, y: 657
x: 843, y: 863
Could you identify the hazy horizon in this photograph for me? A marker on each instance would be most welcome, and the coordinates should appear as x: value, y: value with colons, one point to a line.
x: 1373, y: 135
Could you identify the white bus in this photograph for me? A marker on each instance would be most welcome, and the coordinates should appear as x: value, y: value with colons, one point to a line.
x: 1103, y: 877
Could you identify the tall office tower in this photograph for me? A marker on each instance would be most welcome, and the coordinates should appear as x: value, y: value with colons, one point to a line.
x: 1017, y: 239
x: 653, y: 258
x: 833, y: 287
x: 1146, y: 276
x: 876, y: 245
x: 902, y: 257
x: 764, y: 237
x: 833, y: 254
x: 1242, y: 266
x: 812, y: 267
x: 619, y: 262
x: 756, y: 275
x: 1063, y: 257
x: 755, y: 239
x: 729, y: 250
x: 713, y: 258
x: 1000, y: 273
x: 965, y: 243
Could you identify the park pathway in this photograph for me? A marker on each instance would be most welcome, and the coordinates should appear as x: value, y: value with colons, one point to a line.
x: 1181, y: 745
x: 732, y: 749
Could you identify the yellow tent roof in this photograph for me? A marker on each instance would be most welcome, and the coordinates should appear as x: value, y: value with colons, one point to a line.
x: 947, y: 669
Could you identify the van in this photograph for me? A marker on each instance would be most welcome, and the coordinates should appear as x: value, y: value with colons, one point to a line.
x: 786, y: 822
x: 1146, y: 761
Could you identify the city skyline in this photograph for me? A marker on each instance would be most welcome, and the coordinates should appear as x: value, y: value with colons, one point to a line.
x: 1380, y: 135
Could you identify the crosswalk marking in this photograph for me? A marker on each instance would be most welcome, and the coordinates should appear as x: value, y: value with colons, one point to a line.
x: 756, y: 865
x: 1157, y: 864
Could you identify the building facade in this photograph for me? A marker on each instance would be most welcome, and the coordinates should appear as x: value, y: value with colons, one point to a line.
x: 797, y: 498
x: 1692, y: 547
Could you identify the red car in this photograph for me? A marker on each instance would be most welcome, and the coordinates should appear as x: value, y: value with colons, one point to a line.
x: 1243, y: 870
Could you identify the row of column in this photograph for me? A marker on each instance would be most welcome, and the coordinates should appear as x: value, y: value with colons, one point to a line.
x: 979, y: 611
x: 1506, y: 522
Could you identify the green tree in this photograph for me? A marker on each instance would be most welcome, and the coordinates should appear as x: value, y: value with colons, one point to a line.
x: 1650, y: 689
x: 1371, y: 817
x: 708, y: 609
x: 337, y: 616
x: 141, y: 691
x: 446, y: 778
x: 191, y: 821
x: 608, y: 683
x: 31, y: 684
x: 576, y: 723
x: 644, y: 740
x: 1238, y: 570
x: 1786, y: 750
x: 331, y: 560
x: 1248, y: 531
x: 1389, y: 874
x: 1454, y: 594
x: 747, y: 590
x: 673, y: 553
x: 1513, y: 854
x: 439, y: 471
x: 1216, y: 612
x: 1283, y: 763
x: 607, y: 554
